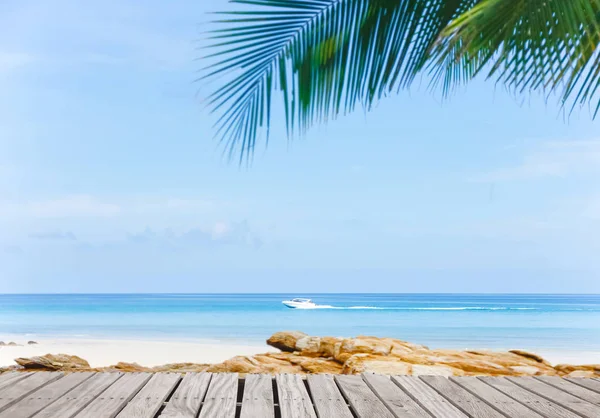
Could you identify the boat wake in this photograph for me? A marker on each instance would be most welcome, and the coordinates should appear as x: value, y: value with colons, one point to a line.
x: 382, y: 308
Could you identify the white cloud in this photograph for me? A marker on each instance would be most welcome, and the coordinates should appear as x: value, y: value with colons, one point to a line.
x: 220, y: 230
x: 217, y: 234
x: 13, y: 250
x: 591, y: 208
x: 81, y: 206
x: 10, y: 61
x: 67, y: 207
x: 551, y: 159
x: 54, y: 236
x: 189, y: 204
x: 74, y: 206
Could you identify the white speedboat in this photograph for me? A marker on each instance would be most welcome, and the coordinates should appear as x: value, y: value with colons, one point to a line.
x: 299, y: 303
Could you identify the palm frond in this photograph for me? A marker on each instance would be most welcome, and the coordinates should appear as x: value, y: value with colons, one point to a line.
x: 528, y: 45
x: 325, y: 56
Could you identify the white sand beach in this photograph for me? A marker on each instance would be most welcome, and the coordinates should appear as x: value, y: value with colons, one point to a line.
x: 101, y: 353
x: 106, y: 352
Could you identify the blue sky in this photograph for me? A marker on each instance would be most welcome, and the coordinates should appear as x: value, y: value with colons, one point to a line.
x: 110, y: 180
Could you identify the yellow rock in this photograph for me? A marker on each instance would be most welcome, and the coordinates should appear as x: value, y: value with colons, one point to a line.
x: 582, y: 373
x: 362, y: 345
x: 285, y: 340
x: 303, y: 354
x: 309, y: 346
x: 53, y: 362
x: 367, y: 363
x: 564, y: 369
x: 438, y: 370
x: 531, y: 356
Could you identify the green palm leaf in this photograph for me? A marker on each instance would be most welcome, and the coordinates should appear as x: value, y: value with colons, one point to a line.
x: 326, y: 57
x: 530, y: 45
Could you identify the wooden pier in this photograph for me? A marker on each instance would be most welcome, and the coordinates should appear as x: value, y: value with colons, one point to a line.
x: 205, y: 395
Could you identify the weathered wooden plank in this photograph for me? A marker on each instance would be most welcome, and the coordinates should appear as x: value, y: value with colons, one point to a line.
x: 36, y: 401
x: 187, y: 399
x: 258, y: 397
x: 461, y: 398
x: 10, y: 378
x: 6, y: 375
x: 566, y: 400
x: 73, y: 402
x: 361, y: 398
x: 294, y: 401
x: 104, y: 395
x: 573, y: 389
x: 14, y: 393
x: 110, y: 402
x: 221, y: 397
x: 495, y: 398
x: 396, y: 400
x: 327, y: 398
x: 150, y: 399
x: 590, y: 384
x: 537, y: 403
x: 427, y: 398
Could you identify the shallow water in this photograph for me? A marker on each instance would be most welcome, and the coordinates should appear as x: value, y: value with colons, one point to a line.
x: 538, y: 322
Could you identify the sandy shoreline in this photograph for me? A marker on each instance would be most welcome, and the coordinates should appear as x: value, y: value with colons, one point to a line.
x: 150, y: 353
x: 102, y: 353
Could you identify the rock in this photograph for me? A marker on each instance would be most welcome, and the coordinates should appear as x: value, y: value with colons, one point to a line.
x: 52, y: 362
x: 474, y: 367
x: 531, y: 356
x: 362, y: 345
x: 437, y: 370
x: 481, y: 362
x: 167, y: 368
x: 31, y: 342
x: 526, y: 370
x: 314, y: 365
x: 565, y: 369
x: 13, y: 368
x: 324, y: 347
x: 2, y: 343
x: 329, y: 345
x: 127, y: 367
x: 12, y: 343
x: 286, y: 340
x: 254, y: 364
x: 304, y: 354
x: 582, y: 373
x: 309, y: 346
x: 182, y: 368
x: 367, y: 363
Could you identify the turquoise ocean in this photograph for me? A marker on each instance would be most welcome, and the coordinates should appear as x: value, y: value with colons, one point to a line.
x: 543, y: 322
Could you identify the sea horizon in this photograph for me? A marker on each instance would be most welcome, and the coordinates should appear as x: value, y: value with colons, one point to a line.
x: 214, y: 326
x: 444, y: 320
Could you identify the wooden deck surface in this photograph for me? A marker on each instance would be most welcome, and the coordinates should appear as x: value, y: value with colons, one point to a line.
x: 205, y: 395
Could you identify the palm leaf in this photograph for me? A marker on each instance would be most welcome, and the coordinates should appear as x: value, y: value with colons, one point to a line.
x: 529, y: 45
x: 327, y: 57
x: 324, y: 56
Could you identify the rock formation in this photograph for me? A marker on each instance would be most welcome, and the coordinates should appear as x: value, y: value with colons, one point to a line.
x: 54, y: 362
x: 303, y: 354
